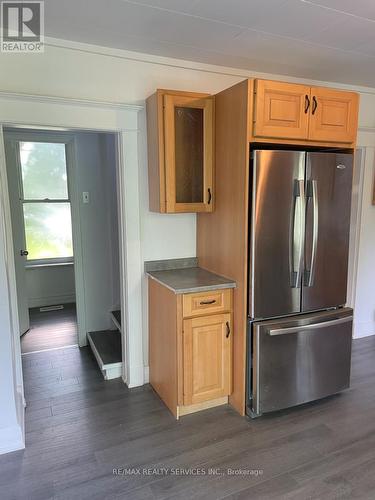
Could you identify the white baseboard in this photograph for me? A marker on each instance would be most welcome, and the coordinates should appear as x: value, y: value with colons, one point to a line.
x: 51, y: 300
x: 146, y: 374
x: 113, y: 371
x: 137, y: 377
x: 11, y: 439
x: 146, y: 378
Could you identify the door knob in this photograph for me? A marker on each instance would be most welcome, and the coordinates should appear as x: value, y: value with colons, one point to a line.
x: 24, y: 253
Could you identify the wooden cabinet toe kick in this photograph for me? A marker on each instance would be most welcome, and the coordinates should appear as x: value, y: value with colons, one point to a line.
x: 205, y: 405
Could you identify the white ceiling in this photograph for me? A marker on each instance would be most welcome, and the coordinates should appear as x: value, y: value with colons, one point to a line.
x: 332, y: 40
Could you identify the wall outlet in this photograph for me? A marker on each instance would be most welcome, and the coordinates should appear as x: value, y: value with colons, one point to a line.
x: 86, y: 197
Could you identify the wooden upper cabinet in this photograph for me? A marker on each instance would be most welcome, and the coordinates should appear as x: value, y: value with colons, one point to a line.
x: 334, y: 115
x: 281, y: 110
x: 304, y: 114
x: 207, y: 354
x: 180, y: 151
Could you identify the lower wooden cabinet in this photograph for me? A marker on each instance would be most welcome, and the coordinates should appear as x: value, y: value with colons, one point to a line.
x: 207, y: 358
x: 190, y: 355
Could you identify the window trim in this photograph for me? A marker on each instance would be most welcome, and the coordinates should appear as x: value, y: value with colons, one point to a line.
x: 53, y: 261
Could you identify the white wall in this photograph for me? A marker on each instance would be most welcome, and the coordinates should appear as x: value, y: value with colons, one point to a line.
x: 96, y: 174
x: 50, y: 285
x: 109, y: 178
x: 364, y: 306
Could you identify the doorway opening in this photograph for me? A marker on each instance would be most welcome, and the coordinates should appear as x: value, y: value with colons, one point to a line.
x: 64, y: 213
x: 43, y: 245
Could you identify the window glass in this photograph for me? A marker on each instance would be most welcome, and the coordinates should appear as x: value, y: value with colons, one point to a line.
x: 43, y: 167
x: 48, y: 230
x: 189, y: 154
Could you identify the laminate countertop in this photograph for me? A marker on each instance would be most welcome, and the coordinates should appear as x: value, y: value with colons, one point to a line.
x: 189, y: 280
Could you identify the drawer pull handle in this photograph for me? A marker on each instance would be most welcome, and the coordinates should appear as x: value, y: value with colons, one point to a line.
x: 207, y: 302
x: 228, y: 329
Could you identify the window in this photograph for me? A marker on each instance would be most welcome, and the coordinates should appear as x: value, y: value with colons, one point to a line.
x: 45, y: 199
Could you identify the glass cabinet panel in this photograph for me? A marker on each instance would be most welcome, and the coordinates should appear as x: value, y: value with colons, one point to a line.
x: 189, y: 154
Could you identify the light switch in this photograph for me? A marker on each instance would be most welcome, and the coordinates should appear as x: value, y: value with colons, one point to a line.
x: 86, y: 197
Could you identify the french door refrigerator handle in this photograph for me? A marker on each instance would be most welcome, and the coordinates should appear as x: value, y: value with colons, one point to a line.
x: 311, y: 273
x: 313, y: 326
x: 300, y: 195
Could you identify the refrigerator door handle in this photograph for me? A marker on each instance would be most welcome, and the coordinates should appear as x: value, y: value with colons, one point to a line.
x: 298, y: 234
x: 314, y: 193
x: 313, y: 326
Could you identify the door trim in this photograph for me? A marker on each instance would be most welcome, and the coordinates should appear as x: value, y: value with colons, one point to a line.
x: 5, y: 214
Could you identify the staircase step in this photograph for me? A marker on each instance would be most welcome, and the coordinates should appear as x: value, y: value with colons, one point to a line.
x: 106, y: 347
x: 116, y: 318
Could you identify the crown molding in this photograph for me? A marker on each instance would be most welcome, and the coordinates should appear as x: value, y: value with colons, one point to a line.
x: 69, y: 101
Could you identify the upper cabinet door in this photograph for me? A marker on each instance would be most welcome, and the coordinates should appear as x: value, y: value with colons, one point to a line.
x: 281, y: 110
x: 334, y: 115
x: 188, y: 149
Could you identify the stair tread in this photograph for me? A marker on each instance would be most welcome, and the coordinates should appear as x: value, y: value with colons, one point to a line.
x: 108, y: 345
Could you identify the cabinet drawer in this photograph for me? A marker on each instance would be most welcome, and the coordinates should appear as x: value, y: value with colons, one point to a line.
x: 199, y: 304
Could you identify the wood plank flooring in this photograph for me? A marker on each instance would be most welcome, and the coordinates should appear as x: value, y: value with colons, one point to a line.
x: 51, y: 329
x: 79, y: 428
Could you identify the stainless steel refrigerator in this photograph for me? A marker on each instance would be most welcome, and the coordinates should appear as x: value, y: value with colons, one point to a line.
x: 300, y: 333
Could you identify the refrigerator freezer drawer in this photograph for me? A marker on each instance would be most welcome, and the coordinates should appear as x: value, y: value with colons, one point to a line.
x: 300, y: 359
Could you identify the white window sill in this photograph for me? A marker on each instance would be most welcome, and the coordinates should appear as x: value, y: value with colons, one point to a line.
x: 49, y: 264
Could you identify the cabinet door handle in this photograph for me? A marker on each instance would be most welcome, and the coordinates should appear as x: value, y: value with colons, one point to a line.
x: 228, y: 329
x: 307, y: 103
x: 209, y: 196
x: 207, y: 302
x: 315, y: 105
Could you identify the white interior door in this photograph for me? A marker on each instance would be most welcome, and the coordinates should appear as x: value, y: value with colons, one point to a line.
x: 18, y: 230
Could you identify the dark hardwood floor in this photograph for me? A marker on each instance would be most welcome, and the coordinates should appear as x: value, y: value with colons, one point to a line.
x: 51, y: 329
x: 79, y: 428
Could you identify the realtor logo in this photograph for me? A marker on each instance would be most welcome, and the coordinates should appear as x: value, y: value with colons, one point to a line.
x: 22, y: 26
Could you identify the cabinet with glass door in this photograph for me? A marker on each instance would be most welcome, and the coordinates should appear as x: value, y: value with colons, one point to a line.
x: 180, y: 151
